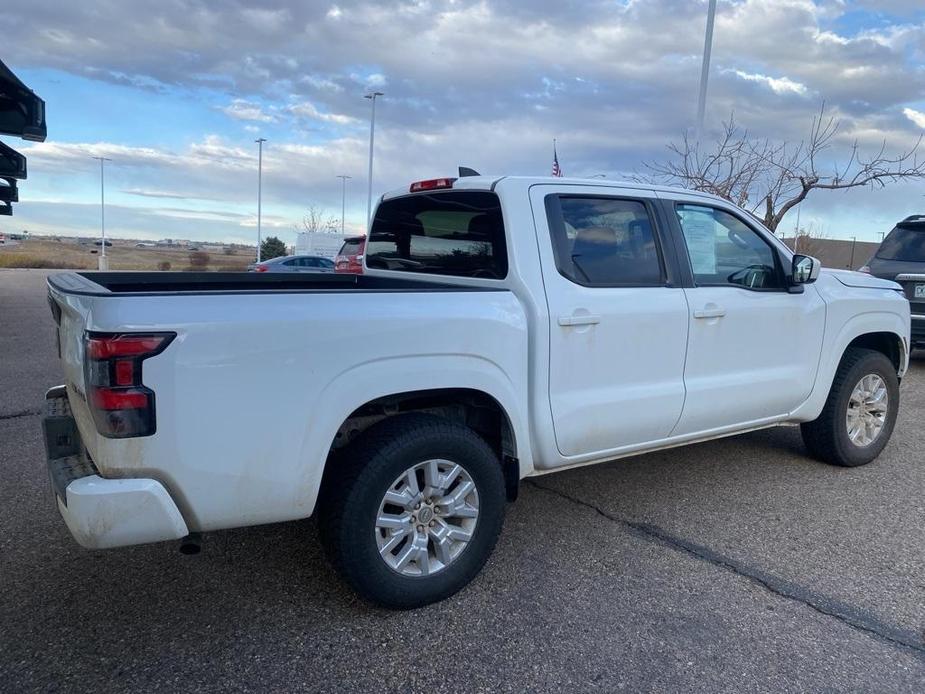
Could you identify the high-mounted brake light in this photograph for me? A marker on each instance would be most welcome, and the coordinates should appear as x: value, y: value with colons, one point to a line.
x: 432, y: 184
x: 121, y: 405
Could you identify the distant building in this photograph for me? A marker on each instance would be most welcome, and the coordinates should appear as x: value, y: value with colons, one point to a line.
x: 318, y: 243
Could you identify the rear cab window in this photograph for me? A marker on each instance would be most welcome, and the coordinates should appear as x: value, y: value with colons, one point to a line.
x: 457, y: 233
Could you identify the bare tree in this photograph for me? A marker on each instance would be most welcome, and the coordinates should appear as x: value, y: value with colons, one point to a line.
x: 317, y: 220
x: 808, y: 240
x: 770, y: 178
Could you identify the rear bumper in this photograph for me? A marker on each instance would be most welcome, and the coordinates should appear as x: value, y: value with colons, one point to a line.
x: 99, y: 512
x: 102, y: 513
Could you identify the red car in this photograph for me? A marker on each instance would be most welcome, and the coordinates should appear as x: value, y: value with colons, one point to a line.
x: 350, y: 257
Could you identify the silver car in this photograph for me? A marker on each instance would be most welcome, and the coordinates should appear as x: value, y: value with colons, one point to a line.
x: 293, y: 263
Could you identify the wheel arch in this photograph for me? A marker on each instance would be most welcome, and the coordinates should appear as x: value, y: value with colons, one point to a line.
x: 887, y: 343
x: 474, y: 408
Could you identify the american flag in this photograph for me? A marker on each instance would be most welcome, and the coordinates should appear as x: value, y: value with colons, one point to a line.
x: 556, y: 171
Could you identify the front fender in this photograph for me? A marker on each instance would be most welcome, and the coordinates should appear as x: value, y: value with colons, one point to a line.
x: 834, y: 348
x: 366, y: 382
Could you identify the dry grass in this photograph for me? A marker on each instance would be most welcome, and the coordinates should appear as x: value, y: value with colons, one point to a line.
x: 68, y: 254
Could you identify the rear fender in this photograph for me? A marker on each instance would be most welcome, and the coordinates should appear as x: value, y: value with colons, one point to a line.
x: 373, y: 380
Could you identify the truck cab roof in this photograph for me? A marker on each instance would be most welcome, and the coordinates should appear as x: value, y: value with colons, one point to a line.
x: 489, y: 182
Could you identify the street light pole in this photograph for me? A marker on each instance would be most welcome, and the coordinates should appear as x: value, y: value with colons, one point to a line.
x: 343, y: 200
x: 705, y: 67
x: 103, y: 263
x: 372, y: 133
x: 259, y: 141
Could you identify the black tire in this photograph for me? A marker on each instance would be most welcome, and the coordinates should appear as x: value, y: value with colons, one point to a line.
x: 354, y: 488
x: 826, y: 437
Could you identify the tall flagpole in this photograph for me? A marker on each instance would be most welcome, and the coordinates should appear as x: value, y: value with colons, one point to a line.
x: 705, y: 67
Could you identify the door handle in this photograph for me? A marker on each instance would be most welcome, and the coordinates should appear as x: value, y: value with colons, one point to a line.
x: 586, y: 319
x: 710, y: 311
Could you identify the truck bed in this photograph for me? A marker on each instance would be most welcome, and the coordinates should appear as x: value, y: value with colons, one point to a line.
x: 161, y: 283
x: 263, y: 370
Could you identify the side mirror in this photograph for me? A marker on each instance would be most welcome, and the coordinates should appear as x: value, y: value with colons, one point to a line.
x: 805, y: 269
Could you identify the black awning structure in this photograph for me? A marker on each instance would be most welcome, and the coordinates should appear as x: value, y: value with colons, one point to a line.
x: 22, y: 114
x: 12, y: 163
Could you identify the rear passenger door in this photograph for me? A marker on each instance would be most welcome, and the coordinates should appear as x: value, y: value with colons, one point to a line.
x: 618, y: 321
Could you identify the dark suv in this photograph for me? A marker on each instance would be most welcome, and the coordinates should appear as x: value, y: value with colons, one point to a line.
x: 901, y: 257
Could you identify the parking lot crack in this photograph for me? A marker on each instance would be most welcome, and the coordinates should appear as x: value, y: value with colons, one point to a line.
x: 853, y: 617
x: 22, y: 413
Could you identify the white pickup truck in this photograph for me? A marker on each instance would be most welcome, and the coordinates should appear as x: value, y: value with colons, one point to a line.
x: 504, y: 328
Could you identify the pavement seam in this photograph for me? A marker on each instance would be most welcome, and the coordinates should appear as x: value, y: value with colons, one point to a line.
x: 850, y: 616
x: 23, y: 413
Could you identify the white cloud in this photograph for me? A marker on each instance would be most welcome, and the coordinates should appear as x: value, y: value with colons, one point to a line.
x: 780, y: 85
x: 917, y: 117
x: 240, y: 109
x: 309, y: 110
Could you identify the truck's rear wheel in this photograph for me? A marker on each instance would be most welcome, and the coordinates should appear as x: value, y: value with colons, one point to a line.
x: 859, y: 415
x: 411, y: 510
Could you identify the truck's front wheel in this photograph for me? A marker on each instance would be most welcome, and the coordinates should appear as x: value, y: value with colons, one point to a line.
x: 411, y: 510
x: 858, y: 418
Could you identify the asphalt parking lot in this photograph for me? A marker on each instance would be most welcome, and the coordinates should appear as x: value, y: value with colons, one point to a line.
x: 738, y: 565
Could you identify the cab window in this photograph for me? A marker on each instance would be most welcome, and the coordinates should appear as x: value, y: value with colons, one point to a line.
x: 724, y: 250
x: 604, y: 242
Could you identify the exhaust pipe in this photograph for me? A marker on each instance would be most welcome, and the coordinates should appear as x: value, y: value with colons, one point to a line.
x: 191, y: 544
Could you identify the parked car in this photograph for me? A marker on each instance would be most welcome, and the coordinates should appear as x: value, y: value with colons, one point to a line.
x: 901, y: 257
x: 99, y: 243
x: 350, y: 257
x: 502, y: 328
x: 293, y: 263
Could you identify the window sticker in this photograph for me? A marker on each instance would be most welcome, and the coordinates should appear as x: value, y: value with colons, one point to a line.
x: 700, y: 234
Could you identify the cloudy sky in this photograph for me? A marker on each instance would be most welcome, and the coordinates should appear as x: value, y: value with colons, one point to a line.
x: 176, y: 91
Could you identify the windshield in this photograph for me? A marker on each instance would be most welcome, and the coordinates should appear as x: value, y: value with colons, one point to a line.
x: 904, y: 243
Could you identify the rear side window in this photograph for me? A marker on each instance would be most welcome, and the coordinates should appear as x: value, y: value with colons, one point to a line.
x: 453, y: 233
x: 905, y: 242
x: 604, y: 242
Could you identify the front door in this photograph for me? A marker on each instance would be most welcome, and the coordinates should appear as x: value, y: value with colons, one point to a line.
x: 617, y: 326
x: 754, y: 347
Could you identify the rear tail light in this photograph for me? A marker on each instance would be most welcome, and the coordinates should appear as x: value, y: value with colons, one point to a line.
x: 260, y: 268
x: 121, y: 405
x: 432, y: 184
